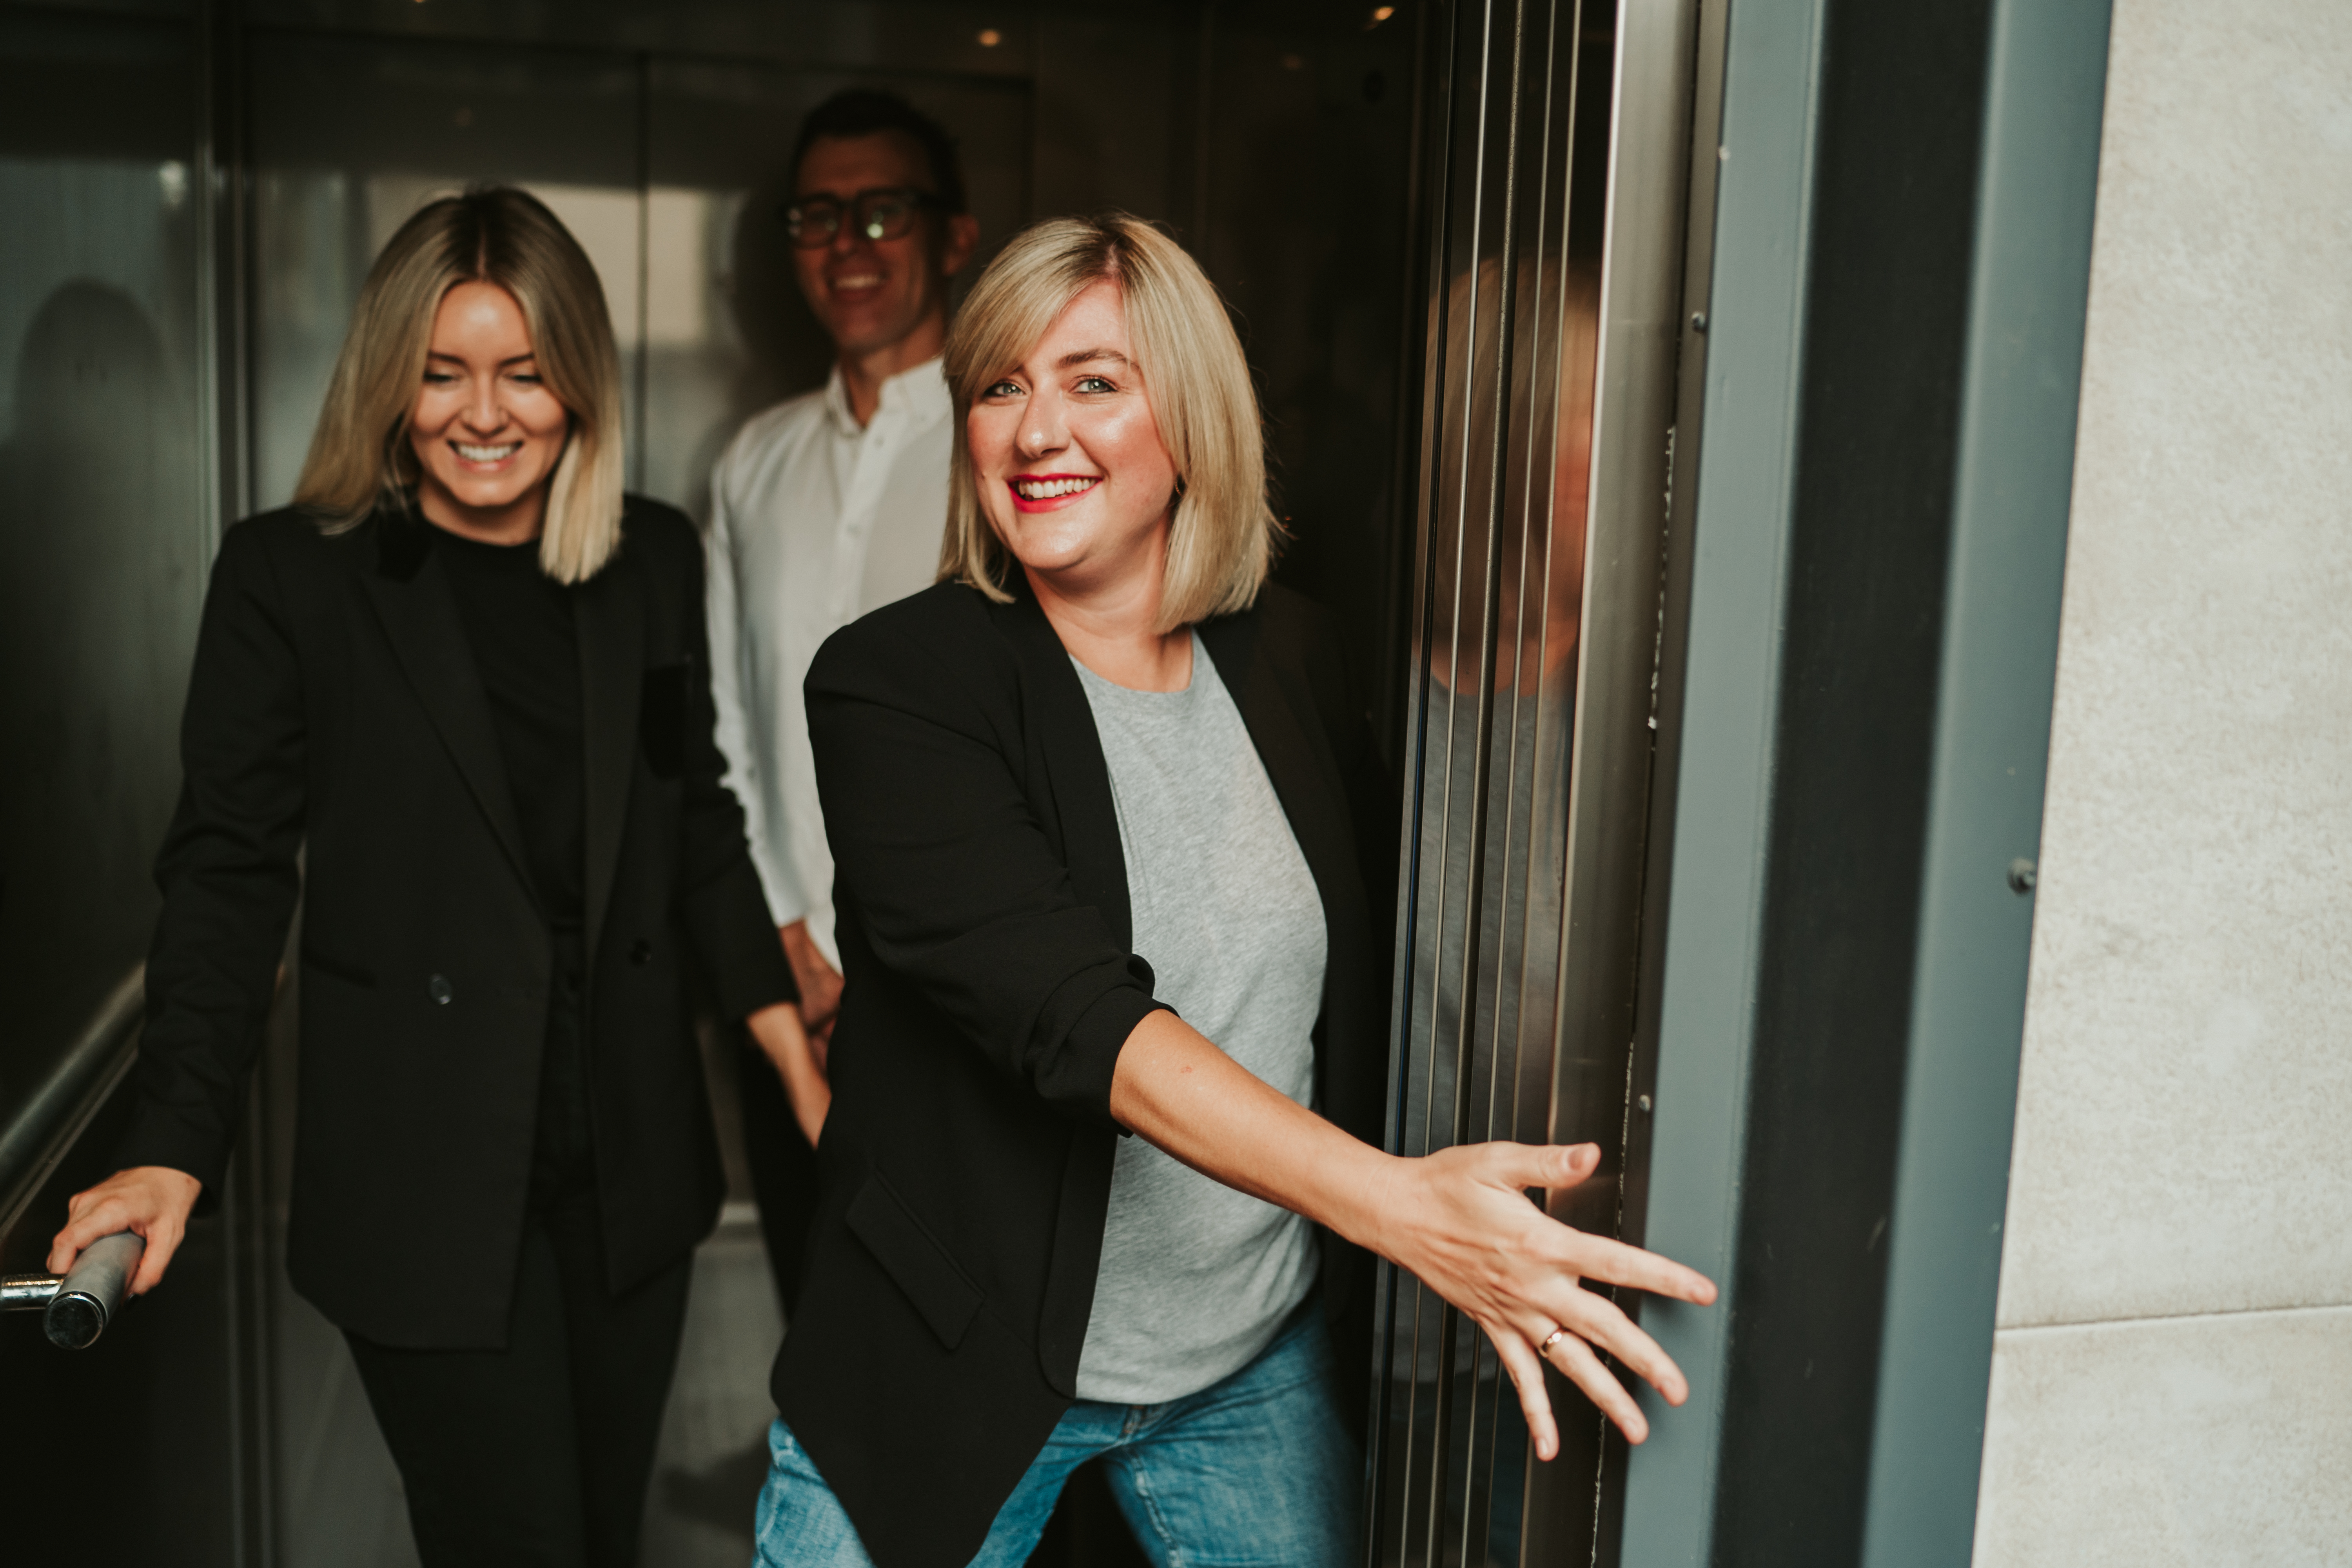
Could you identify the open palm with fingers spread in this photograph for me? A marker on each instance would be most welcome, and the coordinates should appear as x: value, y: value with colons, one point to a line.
x: 1460, y: 1220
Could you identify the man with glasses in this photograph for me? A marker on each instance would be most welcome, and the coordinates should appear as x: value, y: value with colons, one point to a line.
x: 822, y: 508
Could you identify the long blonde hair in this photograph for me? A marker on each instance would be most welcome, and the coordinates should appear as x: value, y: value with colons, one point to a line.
x: 1222, y: 534
x: 360, y: 455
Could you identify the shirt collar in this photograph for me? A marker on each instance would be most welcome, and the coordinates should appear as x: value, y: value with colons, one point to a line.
x: 919, y: 396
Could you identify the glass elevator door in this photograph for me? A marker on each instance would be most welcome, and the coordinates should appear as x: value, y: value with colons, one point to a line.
x: 1451, y: 235
x: 1552, y: 189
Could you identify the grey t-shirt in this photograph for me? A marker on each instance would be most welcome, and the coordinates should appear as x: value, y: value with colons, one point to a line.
x: 1195, y: 1276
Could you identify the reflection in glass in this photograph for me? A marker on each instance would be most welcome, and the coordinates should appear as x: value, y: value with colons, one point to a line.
x: 104, y: 512
x: 1508, y: 428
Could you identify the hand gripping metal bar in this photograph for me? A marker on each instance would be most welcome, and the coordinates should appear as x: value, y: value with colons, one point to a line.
x: 77, y: 1308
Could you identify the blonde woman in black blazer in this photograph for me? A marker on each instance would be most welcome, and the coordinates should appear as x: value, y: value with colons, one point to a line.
x: 1020, y: 1121
x: 457, y: 700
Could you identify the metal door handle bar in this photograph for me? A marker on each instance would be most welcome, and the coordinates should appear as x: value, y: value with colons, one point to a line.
x: 77, y: 1308
x: 37, y: 1131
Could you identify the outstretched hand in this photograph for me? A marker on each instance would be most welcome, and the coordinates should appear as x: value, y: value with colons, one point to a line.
x: 1460, y: 1221
x: 154, y: 1201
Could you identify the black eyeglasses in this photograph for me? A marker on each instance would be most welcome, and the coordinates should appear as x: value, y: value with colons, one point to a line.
x: 885, y: 213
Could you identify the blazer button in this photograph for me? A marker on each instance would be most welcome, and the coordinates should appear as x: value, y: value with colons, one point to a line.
x: 642, y: 952
x: 438, y: 989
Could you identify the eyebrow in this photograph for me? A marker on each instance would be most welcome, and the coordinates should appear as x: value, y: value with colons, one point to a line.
x: 837, y: 194
x: 511, y: 359
x: 1086, y: 356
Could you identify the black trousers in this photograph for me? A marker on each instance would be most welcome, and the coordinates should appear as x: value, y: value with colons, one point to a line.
x: 538, y: 1454
x: 783, y: 1166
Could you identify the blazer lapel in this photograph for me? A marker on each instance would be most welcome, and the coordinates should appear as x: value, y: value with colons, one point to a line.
x: 1282, y: 725
x: 410, y: 591
x: 608, y: 619
x: 1061, y: 726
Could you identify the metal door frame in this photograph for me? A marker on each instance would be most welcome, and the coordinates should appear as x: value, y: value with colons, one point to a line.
x: 1911, y: 1455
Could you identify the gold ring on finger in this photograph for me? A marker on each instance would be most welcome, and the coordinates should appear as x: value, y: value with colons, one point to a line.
x: 1551, y: 1340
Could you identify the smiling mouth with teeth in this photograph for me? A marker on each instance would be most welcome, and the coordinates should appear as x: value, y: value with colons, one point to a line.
x: 474, y: 454
x: 1047, y: 488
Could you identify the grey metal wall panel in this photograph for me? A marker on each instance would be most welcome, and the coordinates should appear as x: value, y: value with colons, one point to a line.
x: 2039, y: 176
x: 1741, y: 504
x: 1900, y: 257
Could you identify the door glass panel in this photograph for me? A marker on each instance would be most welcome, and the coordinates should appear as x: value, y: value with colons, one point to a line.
x: 1519, y: 99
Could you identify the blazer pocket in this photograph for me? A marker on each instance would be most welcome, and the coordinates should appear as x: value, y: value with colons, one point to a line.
x: 920, y: 1266
x: 661, y: 718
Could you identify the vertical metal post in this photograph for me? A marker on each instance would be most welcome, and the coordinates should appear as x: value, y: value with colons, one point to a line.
x: 1741, y: 509
x: 222, y: 233
x: 2044, y: 93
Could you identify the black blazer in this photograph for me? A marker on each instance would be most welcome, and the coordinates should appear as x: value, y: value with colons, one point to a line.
x: 984, y: 933
x: 335, y: 713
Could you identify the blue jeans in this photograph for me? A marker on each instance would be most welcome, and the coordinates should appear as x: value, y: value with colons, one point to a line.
x: 1258, y: 1469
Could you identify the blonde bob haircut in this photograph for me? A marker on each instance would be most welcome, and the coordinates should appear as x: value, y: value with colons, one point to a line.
x: 360, y: 455
x: 1221, y: 533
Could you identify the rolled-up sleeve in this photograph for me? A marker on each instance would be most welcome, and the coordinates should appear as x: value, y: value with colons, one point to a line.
x: 940, y: 857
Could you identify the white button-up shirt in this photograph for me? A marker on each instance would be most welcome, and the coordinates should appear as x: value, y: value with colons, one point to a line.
x: 813, y: 522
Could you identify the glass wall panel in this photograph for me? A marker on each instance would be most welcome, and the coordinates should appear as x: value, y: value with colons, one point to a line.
x: 1513, y: 1006
x: 106, y: 522
x: 105, y: 508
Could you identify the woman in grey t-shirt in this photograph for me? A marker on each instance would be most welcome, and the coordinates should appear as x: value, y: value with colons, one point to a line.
x: 1103, y: 1154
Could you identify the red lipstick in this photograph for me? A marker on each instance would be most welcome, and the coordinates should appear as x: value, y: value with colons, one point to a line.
x: 1078, y: 486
